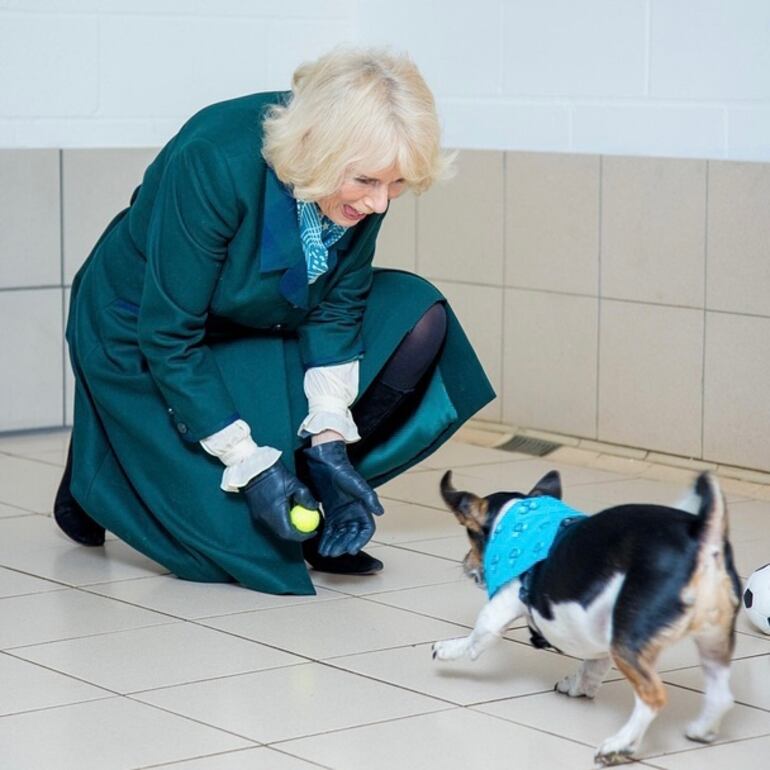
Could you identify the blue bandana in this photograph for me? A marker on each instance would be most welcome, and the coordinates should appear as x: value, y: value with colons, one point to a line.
x: 523, y: 537
x: 317, y: 234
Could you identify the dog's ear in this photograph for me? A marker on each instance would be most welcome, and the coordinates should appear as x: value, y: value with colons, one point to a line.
x: 549, y: 485
x: 471, y: 511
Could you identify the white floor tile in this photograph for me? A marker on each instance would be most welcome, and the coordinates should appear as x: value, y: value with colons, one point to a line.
x: 749, y: 518
x: 454, y: 548
x: 28, y: 484
x: 751, y: 554
x: 27, y: 687
x: 423, y: 488
x: 507, y: 670
x: 684, y: 653
x: 591, y: 721
x: 456, y: 455
x: 329, y: 629
x: 11, y: 511
x: 158, y: 656
x: 403, y: 569
x: 522, y: 476
x: 453, y: 602
x: 32, y: 444
x: 749, y: 680
x: 190, y: 601
x: 34, y: 544
x: 285, y: 703
x: 263, y: 758
x: 743, y: 755
x: 114, y: 734
x: 241, y: 666
x: 68, y: 614
x: 403, y: 522
x: 450, y: 740
x: 14, y: 583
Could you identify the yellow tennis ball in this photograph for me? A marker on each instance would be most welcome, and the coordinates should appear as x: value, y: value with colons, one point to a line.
x: 304, y: 519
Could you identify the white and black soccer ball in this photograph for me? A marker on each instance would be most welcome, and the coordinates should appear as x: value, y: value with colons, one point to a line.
x: 756, y: 598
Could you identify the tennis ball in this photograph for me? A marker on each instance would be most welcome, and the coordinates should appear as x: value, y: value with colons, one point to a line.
x: 304, y: 519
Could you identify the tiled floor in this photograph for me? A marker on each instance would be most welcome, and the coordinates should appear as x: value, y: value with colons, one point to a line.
x: 107, y: 662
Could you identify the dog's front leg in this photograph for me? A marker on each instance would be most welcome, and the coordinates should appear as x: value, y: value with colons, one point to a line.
x: 504, y: 607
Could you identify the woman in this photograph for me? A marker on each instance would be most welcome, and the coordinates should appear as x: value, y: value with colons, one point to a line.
x: 231, y: 317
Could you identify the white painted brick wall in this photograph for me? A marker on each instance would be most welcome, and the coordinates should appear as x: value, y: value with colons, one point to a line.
x: 649, y: 77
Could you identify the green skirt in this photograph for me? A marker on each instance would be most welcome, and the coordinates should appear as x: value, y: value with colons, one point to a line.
x: 134, y: 475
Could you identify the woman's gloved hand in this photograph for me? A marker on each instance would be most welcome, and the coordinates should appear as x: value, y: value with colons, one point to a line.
x: 348, y: 501
x: 271, y: 494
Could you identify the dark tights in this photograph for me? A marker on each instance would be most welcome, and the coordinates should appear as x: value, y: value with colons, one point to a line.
x: 400, y: 376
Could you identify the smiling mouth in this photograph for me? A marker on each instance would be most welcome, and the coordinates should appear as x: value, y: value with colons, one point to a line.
x: 351, y: 213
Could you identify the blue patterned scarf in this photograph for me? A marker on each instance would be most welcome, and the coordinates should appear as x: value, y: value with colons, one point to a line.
x: 317, y: 233
x: 522, y: 537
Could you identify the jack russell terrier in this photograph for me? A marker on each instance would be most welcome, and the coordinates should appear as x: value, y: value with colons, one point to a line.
x: 616, y: 587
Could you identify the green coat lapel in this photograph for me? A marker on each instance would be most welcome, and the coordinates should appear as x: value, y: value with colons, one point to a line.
x: 280, y: 244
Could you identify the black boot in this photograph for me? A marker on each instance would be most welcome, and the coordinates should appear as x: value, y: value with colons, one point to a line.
x: 379, y: 403
x: 71, y: 518
x: 359, y: 564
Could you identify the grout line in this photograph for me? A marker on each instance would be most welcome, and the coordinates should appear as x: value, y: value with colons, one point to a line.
x: 61, y: 277
x: 599, y: 299
x: 194, y: 720
x: 186, y: 760
x: 280, y: 741
x: 705, y: 313
x: 504, y: 292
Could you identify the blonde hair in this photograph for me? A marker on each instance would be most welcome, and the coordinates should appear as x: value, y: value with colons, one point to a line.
x: 354, y: 110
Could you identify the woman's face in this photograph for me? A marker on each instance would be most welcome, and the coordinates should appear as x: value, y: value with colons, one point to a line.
x: 362, y: 194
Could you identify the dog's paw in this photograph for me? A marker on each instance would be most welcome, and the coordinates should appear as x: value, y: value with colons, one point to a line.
x: 451, y: 649
x: 697, y: 731
x: 616, y: 750
x: 575, y: 687
x: 612, y: 758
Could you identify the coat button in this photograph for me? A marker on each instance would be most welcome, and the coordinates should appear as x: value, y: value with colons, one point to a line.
x: 181, y: 427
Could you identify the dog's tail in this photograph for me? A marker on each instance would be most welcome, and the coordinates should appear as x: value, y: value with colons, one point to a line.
x: 715, y: 571
x: 711, y: 514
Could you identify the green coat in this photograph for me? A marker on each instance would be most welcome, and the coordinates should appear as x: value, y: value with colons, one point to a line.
x: 194, y: 309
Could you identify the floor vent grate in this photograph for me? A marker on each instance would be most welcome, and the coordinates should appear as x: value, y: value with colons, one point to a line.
x: 529, y: 446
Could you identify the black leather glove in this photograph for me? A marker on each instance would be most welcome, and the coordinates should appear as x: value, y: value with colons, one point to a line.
x: 348, y: 501
x: 271, y: 494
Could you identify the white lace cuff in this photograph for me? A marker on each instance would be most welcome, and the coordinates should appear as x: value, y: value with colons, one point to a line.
x: 244, y: 459
x: 330, y: 390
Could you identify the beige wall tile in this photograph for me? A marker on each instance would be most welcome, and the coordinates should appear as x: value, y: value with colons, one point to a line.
x: 69, y: 379
x: 738, y: 257
x: 480, y: 311
x: 650, y: 374
x: 737, y: 382
x: 460, y: 222
x: 653, y: 230
x: 549, y: 361
x: 96, y: 185
x: 397, y: 240
x: 31, y: 356
x: 30, y: 252
x: 552, y: 222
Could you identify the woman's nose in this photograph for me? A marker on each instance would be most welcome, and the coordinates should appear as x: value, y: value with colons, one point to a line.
x: 378, y: 199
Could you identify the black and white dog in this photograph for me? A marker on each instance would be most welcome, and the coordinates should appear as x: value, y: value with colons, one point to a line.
x: 616, y: 587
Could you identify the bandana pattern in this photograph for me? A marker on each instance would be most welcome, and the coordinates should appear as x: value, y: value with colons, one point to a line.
x: 317, y: 233
x: 522, y: 537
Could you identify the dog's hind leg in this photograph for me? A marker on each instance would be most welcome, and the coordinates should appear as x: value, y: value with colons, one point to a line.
x: 650, y: 697
x: 715, y: 650
x: 587, y: 680
x: 501, y: 610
